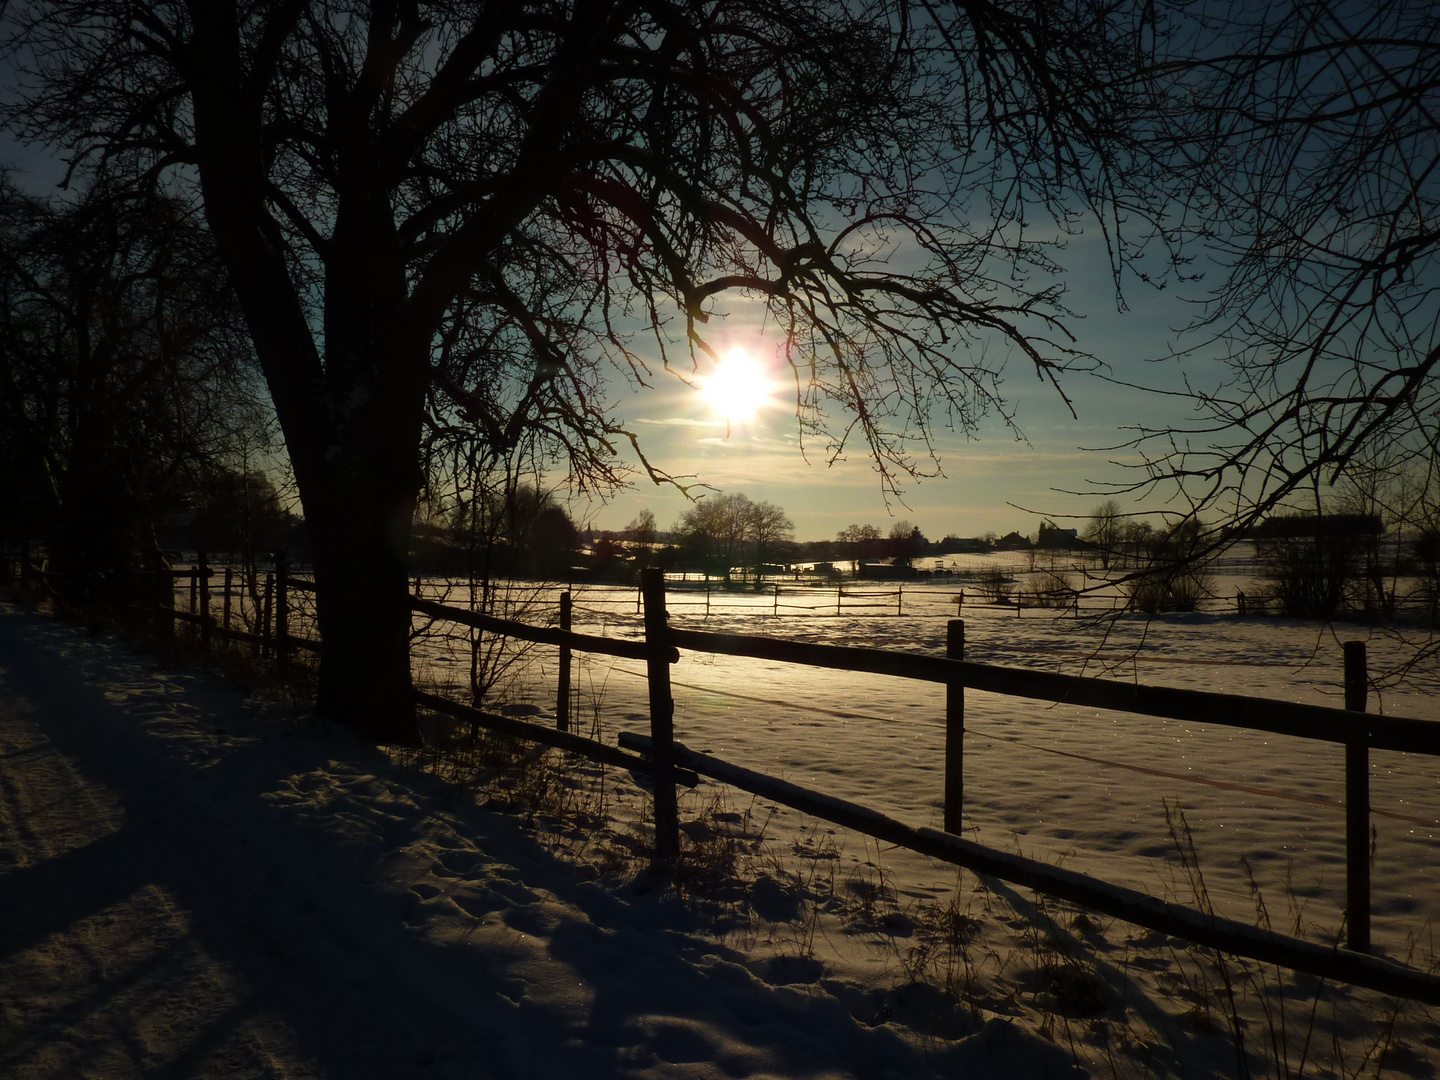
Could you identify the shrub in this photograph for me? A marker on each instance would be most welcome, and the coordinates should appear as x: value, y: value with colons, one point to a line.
x: 1051, y: 590
x: 997, y: 586
x: 1174, y: 590
x: 1309, y: 575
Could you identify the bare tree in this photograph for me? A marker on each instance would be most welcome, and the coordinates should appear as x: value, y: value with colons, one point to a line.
x: 642, y: 527
x: 716, y: 529
x: 905, y: 540
x: 469, y: 216
x: 641, y: 532
x: 1105, y: 530
x: 860, y: 542
x: 126, y: 385
x: 768, y: 528
x: 1390, y: 493
x: 1310, y: 149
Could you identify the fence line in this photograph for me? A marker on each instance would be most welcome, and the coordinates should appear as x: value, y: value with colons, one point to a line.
x: 1353, y: 729
x: 1133, y: 906
x: 671, y: 762
x: 851, y: 597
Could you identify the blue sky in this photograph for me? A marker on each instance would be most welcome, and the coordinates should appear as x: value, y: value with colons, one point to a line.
x: 989, y: 482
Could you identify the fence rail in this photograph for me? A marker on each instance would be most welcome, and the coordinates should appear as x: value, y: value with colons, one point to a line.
x: 1196, y: 706
x: 671, y: 763
x: 1353, y: 728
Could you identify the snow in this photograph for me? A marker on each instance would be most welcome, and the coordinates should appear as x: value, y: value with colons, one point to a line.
x: 1063, y: 782
x: 193, y: 883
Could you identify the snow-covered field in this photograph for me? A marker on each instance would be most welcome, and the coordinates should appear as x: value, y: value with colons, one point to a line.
x: 193, y: 885
x: 1058, y: 782
x: 1081, y: 788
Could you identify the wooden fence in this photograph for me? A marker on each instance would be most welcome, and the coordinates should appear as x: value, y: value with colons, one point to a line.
x: 670, y: 760
x: 817, y: 595
x: 672, y: 763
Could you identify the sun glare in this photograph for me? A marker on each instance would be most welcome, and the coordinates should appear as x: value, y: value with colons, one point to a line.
x: 738, y: 388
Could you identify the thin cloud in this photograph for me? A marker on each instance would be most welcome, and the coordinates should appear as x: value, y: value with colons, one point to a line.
x: 678, y: 421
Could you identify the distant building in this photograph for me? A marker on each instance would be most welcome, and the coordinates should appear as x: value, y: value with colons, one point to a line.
x: 1054, y: 538
x: 885, y: 569
x: 1289, y: 526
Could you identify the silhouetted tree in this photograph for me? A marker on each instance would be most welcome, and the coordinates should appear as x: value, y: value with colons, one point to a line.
x: 126, y: 389
x: 456, y: 215
x: 1308, y: 159
x: 860, y: 542
x: 768, y: 529
x: 906, y: 541
x: 641, y: 532
x: 715, y: 530
x: 1104, y: 531
x: 642, y: 528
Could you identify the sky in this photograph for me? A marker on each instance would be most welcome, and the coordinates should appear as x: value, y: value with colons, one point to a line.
x: 995, y: 480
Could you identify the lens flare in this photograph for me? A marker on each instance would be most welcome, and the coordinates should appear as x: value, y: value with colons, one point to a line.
x: 739, y: 387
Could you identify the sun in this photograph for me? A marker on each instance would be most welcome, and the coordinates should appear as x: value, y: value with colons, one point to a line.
x: 738, y: 388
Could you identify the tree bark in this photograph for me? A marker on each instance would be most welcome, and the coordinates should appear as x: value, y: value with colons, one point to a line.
x: 359, y: 495
x: 363, y: 605
x: 352, y: 420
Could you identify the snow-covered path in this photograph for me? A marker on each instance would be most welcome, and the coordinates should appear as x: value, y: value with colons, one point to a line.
x: 191, y: 886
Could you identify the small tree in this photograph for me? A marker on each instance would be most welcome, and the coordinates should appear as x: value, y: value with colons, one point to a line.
x: 1105, y: 531
x: 715, y: 530
x: 768, y: 530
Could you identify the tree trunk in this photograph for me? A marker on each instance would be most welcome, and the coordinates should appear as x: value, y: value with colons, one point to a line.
x: 359, y: 546
x: 352, y: 421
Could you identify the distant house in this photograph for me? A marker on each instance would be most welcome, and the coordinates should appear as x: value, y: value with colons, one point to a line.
x: 1013, y: 541
x: 1304, y: 526
x: 1054, y: 538
x: 885, y: 569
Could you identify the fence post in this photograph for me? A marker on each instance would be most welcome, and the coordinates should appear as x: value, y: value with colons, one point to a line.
x: 562, y: 704
x: 954, y: 730
x: 164, y: 596
x: 839, y: 592
x: 282, y: 610
x: 195, y: 590
x: 1357, y: 805
x: 662, y: 716
x: 776, y: 609
x: 266, y: 638
x: 900, y: 601
x: 202, y: 583
x: 225, y: 607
